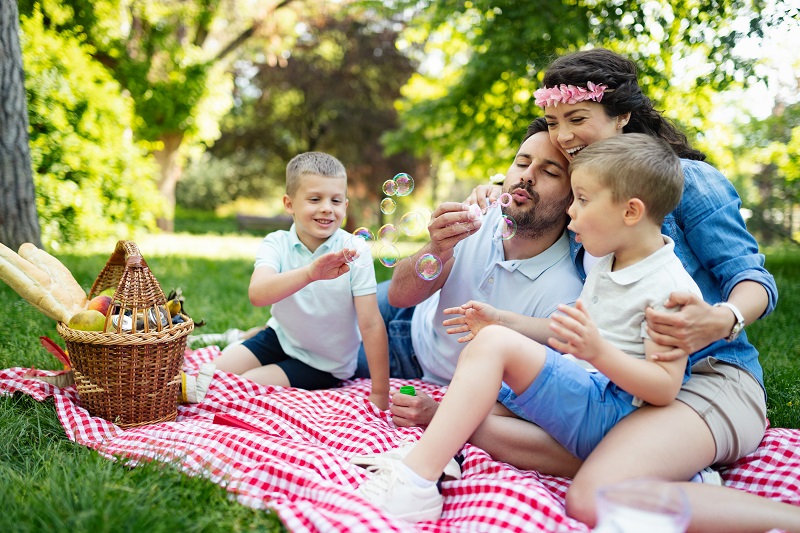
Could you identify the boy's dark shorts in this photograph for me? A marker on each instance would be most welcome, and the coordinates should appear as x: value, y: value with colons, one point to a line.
x: 267, y: 349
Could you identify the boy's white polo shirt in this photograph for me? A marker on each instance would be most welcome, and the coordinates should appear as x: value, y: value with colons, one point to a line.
x: 318, y: 324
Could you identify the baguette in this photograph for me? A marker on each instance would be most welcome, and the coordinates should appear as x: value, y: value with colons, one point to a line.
x: 30, y: 282
x: 74, y: 297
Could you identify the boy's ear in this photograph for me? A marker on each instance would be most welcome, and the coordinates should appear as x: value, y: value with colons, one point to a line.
x: 287, y: 204
x: 635, y: 210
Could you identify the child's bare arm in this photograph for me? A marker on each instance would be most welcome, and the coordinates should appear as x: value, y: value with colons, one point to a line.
x: 473, y: 316
x: 268, y: 286
x: 655, y: 382
x: 376, y: 347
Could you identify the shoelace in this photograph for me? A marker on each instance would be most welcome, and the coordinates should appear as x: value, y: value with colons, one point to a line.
x: 384, y: 477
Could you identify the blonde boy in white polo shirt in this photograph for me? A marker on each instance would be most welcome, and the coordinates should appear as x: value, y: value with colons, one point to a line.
x: 321, y: 307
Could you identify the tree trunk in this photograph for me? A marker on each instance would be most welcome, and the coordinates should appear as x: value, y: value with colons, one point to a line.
x: 170, y: 168
x: 18, y: 219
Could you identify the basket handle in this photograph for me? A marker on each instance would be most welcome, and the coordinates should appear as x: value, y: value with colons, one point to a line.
x: 123, y: 251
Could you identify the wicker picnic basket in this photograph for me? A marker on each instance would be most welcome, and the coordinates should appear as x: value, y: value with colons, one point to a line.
x: 129, y: 374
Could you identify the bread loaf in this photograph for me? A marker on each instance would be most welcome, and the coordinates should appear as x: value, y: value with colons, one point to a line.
x: 74, y: 297
x: 33, y: 284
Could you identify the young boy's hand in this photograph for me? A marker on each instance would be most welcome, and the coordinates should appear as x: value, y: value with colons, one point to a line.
x: 473, y: 317
x: 577, y: 333
x: 381, y: 401
x: 331, y: 265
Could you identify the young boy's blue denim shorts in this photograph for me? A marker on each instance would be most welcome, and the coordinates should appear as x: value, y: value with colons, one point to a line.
x: 576, y: 407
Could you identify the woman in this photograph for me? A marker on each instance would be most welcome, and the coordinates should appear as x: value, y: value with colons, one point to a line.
x: 720, y: 414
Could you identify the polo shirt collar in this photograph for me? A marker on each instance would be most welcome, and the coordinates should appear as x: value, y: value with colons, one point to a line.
x: 645, y: 267
x: 296, y: 243
x: 534, y: 267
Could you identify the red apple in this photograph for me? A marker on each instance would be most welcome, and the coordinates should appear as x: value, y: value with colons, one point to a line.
x: 100, y: 303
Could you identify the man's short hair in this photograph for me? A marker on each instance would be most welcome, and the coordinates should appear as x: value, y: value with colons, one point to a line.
x: 537, y: 125
x: 636, y: 165
x: 318, y: 163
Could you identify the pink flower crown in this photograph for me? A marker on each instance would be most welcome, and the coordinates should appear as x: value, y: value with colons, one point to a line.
x: 568, y: 94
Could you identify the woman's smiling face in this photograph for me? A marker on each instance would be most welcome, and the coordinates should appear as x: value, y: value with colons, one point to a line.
x: 573, y: 127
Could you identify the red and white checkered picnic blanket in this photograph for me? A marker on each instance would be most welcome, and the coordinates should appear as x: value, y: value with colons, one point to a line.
x: 297, y: 464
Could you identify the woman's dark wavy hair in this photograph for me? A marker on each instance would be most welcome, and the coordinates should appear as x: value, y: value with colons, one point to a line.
x: 623, y: 95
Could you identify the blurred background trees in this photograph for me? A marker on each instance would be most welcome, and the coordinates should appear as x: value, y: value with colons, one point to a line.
x: 138, y: 106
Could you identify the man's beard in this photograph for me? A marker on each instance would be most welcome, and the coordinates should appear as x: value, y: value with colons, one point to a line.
x: 539, y: 219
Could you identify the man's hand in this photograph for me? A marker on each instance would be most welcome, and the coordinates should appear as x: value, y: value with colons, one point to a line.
x: 484, y: 195
x: 450, y: 223
x: 471, y: 317
x: 331, y: 265
x: 412, y: 411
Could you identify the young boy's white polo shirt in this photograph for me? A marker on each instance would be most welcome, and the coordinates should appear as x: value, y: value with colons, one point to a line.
x: 318, y: 324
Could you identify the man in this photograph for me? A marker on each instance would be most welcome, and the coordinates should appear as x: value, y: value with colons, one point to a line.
x: 529, y: 274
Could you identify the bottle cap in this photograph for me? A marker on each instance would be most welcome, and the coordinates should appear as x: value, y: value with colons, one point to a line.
x: 408, y: 389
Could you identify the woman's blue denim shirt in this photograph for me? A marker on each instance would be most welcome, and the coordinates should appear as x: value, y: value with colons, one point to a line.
x: 713, y: 244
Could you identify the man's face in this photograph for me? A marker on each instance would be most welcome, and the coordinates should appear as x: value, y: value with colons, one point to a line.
x: 539, y: 186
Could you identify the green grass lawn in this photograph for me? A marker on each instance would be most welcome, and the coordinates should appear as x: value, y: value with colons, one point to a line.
x: 48, y: 483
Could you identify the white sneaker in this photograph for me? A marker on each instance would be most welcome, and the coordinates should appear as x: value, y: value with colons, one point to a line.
x: 707, y: 475
x: 391, y: 489
x: 451, y: 471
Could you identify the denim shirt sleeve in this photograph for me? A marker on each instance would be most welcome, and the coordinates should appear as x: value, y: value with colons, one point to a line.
x: 709, y: 223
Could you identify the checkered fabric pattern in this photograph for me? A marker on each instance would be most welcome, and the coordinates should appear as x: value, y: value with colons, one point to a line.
x: 294, y: 458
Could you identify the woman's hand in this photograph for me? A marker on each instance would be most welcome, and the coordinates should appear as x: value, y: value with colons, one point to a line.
x: 484, y: 195
x: 694, y: 327
x: 472, y: 317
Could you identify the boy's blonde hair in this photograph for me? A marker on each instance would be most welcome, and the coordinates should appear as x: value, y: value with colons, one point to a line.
x: 318, y: 163
x: 636, y: 165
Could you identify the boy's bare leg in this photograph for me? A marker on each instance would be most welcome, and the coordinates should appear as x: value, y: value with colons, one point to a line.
x: 268, y: 375
x: 236, y: 359
x: 494, y: 355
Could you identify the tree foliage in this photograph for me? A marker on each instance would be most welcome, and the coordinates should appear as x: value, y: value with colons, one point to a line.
x: 92, y: 179
x: 166, y: 56
x: 485, y: 58
x: 333, y: 92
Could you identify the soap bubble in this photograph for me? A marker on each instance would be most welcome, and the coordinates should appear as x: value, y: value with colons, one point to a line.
x: 388, y: 234
x: 505, y: 199
x: 389, y: 187
x: 413, y: 223
x: 405, y: 184
x: 508, y: 227
x: 427, y: 214
x: 388, y: 206
x: 361, y: 241
x: 429, y: 267
x: 366, y: 234
x: 388, y: 256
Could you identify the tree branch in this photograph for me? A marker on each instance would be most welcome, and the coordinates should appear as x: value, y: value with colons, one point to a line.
x: 249, y: 32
